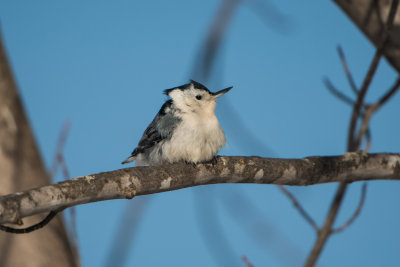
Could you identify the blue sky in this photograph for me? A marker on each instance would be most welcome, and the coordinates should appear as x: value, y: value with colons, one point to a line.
x: 103, y: 65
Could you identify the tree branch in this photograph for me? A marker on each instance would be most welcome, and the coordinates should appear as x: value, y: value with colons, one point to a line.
x: 326, y: 229
x: 356, y: 212
x: 346, y: 69
x: 334, y: 91
x: 371, y: 109
x: 130, y: 182
x: 300, y: 208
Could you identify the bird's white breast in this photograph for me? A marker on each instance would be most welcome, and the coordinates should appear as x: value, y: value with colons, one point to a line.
x: 197, y: 138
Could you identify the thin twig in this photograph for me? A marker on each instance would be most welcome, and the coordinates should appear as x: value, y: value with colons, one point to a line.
x: 346, y: 69
x: 350, y: 102
x: 246, y: 261
x: 260, y: 228
x: 360, y: 102
x: 270, y: 15
x: 211, y: 228
x: 298, y: 206
x: 123, y: 243
x: 203, y: 67
x: 62, y: 139
x: 59, y: 161
x: 388, y: 94
x: 337, y: 93
x: 326, y: 231
x: 368, y: 137
x: 364, y: 125
x: 370, y: 110
x: 72, y: 212
x: 356, y: 212
x: 64, y: 167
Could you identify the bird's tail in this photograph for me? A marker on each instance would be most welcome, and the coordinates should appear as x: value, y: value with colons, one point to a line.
x: 130, y: 159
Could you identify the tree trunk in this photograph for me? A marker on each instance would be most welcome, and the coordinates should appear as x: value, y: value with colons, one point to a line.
x: 21, y: 168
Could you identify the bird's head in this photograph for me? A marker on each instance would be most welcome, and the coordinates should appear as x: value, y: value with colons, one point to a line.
x: 195, y: 97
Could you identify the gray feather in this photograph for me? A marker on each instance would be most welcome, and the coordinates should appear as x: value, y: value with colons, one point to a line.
x: 160, y: 129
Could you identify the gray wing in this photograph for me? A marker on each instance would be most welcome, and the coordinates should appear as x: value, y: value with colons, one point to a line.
x: 161, y: 128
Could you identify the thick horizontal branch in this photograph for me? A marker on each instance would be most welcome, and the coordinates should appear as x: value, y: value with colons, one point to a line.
x: 130, y: 182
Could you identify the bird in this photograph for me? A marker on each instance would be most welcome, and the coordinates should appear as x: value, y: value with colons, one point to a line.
x: 185, y: 129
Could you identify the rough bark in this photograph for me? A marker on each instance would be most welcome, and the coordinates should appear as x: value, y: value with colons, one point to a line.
x: 130, y: 182
x: 21, y: 168
x: 370, y: 17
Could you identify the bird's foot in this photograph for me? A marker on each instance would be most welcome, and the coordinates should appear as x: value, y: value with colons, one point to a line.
x: 212, y: 161
x: 191, y: 163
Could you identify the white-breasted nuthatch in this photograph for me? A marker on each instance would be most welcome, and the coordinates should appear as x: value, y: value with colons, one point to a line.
x: 185, y: 129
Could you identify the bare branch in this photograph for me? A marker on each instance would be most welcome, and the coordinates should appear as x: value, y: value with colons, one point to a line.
x: 62, y: 139
x: 246, y: 261
x: 130, y: 182
x: 370, y: 110
x: 337, y: 93
x: 346, y: 69
x: 298, y: 206
x: 59, y: 160
x: 123, y: 243
x: 349, y: 101
x: 205, y: 61
x: 388, y: 94
x: 260, y: 228
x: 368, y: 141
x: 326, y: 229
x: 270, y: 15
x: 211, y: 228
x: 356, y: 213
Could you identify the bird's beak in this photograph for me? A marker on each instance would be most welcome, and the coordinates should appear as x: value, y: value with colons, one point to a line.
x: 222, y: 92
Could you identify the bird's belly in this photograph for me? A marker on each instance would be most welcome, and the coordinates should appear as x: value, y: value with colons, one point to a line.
x: 194, y: 143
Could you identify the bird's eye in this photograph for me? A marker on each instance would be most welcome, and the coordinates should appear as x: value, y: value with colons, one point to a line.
x: 198, y: 97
